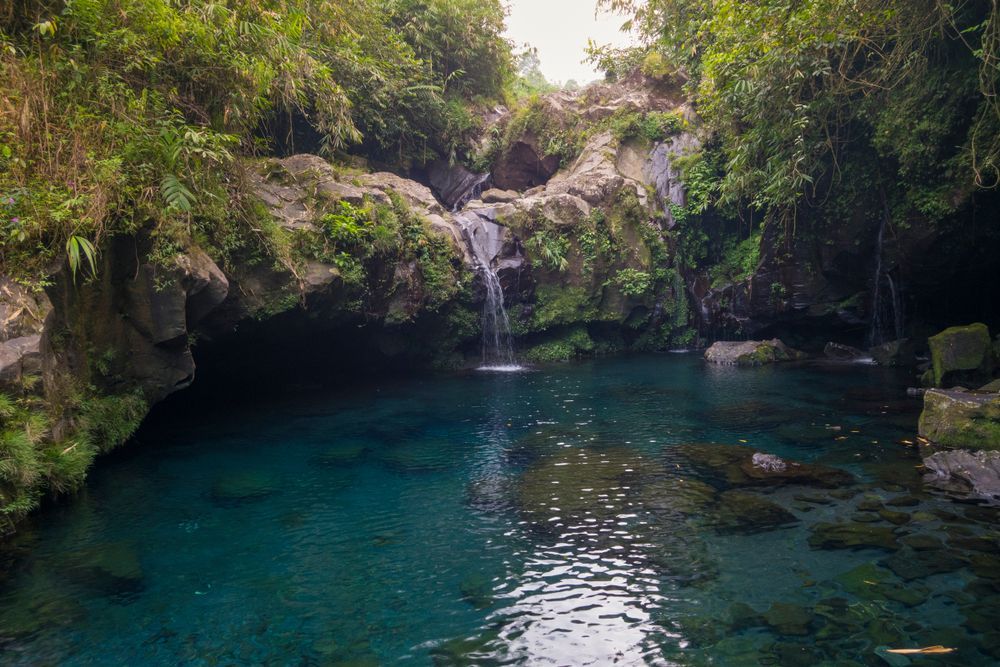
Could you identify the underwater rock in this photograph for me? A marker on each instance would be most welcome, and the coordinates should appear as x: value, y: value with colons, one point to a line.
x: 965, y: 473
x: 959, y: 354
x: 738, y: 512
x: 341, y: 454
x: 871, y: 582
x: 735, y: 465
x: 853, y: 536
x: 112, y: 568
x: 893, y: 517
x: 789, y: 619
x: 922, y: 542
x: 477, y: 590
x: 751, y: 352
x: 955, y: 418
x: 909, y: 565
x: 742, y: 617
x: 243, y: 487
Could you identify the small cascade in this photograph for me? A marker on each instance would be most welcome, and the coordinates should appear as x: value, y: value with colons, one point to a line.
x: 485, y: 240
x: 887, y: 304
x: 474, y: 190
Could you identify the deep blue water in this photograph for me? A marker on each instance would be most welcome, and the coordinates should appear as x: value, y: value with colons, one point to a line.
x: 558, y: 516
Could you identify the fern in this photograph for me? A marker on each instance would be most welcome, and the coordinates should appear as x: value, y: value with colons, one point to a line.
x: 176, y: 194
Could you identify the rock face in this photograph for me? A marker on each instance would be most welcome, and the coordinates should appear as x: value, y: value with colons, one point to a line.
x: 965, y: 473
x: 954, y: 418
x: 959, y: 354
x: 751, y: 352
x: 841, y: 352
x: 22, y: 318
x: 894, y: 353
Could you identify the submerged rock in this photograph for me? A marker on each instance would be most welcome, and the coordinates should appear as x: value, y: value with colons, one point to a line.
x: 242, y: 487
x: 747, y: 513
x: 957, y: 418
x: 741, y: 466
x: 965, y: 473
x: 960, y: 353
x: 853, y: 536
x: 789, y: 619
x: 751, y: 352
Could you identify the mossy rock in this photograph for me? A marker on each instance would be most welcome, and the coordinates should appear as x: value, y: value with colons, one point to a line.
x: 961, y: 419
x: 958, y: 353
x: 751, y: 352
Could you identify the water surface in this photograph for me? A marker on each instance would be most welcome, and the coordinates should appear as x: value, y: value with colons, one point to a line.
x: 594, y: 513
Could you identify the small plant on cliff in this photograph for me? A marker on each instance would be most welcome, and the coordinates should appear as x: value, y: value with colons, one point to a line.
x: 552, y: 248
x: 633, y: 282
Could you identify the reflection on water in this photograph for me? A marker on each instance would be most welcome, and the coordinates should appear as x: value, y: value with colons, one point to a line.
x: 602, y: 513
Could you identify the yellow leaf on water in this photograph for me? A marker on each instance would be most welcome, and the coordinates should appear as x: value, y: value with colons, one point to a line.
x: 929, y: 650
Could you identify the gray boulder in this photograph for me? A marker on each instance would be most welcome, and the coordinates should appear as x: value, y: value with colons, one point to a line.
x: 967, y: 473
x: 751, y: 352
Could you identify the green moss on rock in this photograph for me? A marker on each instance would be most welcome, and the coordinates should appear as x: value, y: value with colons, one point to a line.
x: 961, y: 419
x: 960, y: 352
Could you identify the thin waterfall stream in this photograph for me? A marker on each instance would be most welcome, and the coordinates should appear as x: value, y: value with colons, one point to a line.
x: 887, y: 305
x: 485, y: 240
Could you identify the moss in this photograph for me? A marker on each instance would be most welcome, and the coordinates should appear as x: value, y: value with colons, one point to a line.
x: 957, y: 350
x: 957, y: 419
x: 575, y: 343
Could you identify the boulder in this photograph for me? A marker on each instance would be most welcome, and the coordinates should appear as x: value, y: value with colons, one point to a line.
x: 840, y: 352
x: 751, y: 352
x: 19, y: 357
x: 853, y: 536
x: 960, y: 354
x: 965, y: 473
x: 454, y: 184
x: 964, y: 419
x: 497, y: 196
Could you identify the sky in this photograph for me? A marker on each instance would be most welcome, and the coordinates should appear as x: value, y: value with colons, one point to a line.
x: 559, y: 29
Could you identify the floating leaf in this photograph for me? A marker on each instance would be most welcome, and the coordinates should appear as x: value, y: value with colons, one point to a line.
x: 929, y: 650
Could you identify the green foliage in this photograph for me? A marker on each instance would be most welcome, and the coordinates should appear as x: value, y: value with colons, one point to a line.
x: 798, y: 92
x: 569, y: 345
x: 552, y: 248
x: 738, y: 263
x: 651, y: 126
x: 78, y: 249
x: 117, y: 115
x: 633, y: 282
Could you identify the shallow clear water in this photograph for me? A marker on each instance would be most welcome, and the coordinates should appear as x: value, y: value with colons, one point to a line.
x: 560, y: 516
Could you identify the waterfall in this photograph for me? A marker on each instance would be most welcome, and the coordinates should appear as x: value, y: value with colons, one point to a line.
x: 485, y: 240
x: 887, y: 305
x: 473, y: 190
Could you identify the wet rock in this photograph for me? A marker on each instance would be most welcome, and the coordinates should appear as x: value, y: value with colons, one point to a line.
x: 840, y: 352
x: 903, y: 501
x: 751, y: 353
x: 789, y: 619
x: 813, y: 499
x: 768, y: 462
x: 743, y: 513
x: 965, y: 473
x: 962, y: 419
x: 853, y: 536
x: 244, y: 487
x: 454, y: 184
x: 894, y: 353
x: 870, y: 503
x: 959, y: 354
